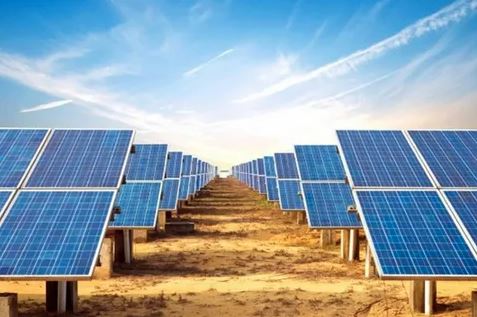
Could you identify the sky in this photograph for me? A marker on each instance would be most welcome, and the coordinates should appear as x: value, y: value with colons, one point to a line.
x: 232, y: 80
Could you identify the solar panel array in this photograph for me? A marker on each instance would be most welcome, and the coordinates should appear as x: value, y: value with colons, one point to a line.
x: 170, y: 186
x: 54, y: 224
x: 415, y: 193
x: 327, y: 196
x: 148, y: 163
x: 271, y: 178
x: 289, y: 191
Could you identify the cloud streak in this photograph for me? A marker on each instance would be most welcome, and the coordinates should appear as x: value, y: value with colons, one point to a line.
x: 452, y: 13
x: 200, y: 67
x: 50, y: 105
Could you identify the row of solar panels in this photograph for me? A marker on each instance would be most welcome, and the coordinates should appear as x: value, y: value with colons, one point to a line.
x: 58, y: 189
x: 415, y: 192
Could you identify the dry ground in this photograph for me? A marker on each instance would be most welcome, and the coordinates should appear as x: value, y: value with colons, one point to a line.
x: 246, y: 259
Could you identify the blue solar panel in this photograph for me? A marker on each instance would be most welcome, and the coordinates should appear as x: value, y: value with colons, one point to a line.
x: 451, y: 156
x: 184, y: 188
x: 272, y: 189
x: 18, y: 148
x: 192, y: 185
x: 174, y: 165
x: 465, y: 205
x: 327, y: 205
x: 319, y: 162
x: 254, y: 167
x: 148, y: 163
x: 290, y: 195
x: 186, y: 165
x: 286, y: 166
x: 381, y: 159
x: 269, y: 166
x: 262, y: 185
x: 260, y: 166
x: 139, y: 204
x: 193, y: 169
x: 170, y: 192
x: 413, y: 234
x: 5, y: 196
x: 82, y: 158
x: 53, y: 233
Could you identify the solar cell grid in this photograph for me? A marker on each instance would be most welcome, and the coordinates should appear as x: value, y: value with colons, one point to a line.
x: 174, y: 165
x: 5, y: 196
x: 327, y: 204
x: 450, y: 154
x: 139, y: 204
x: 18, y: 148
x: 413, y: 234
x: 186, y: 165
x: 290, y: 195
x: 262, y: 185
x: 319, y: 163
x: 260, y: 167
x: 53, y: 233
x: 272, y: 189
x: 464, y: 203
x: 170, y: 192
x: 147, y: 163
x: 184, y: 188
x: 381, y: 159
x: 269, y: 166
x: 82, y: 158
x: 285, y: 166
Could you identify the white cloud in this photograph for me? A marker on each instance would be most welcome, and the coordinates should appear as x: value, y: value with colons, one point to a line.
x: 50, y: 105
x: 200, y: 67
x: 440, y: 19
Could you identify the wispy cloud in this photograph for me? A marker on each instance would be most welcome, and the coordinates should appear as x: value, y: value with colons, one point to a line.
x: 200, y: 67
x: 50, y: 105
x: 293, y: 14
x: 453, y: 13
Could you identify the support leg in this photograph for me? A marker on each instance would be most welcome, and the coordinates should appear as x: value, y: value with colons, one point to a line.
x: 353, y: 245
x: 119, y: 256
x: 474, y: 303
x: 326, y: 238
x: 72, y: 297
x: 56, y: 297
x: 368, y: 263
x: 416, y: 296
x: 430, y: 297
x: 344, y: 243
x: 128, y: 246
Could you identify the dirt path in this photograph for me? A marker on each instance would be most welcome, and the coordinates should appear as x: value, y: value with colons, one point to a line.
x: 246, y: 259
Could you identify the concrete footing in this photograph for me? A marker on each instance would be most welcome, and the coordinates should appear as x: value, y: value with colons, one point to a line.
x: 161, y: 221
x: 61, y: 297
x: 344, y: 244
x: 474, y: 303
x: 300, y: 218
x: 353, y: 245
x: 104, y: 270
x: 369, y: 266
x: 8, y: 304
x: 326, y: 238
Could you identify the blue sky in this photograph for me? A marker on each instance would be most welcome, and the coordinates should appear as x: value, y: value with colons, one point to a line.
x: 231, y: 80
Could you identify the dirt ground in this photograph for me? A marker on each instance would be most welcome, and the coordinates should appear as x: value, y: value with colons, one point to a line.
x: 246, y: 259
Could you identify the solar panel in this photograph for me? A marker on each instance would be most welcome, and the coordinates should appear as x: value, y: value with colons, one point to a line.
x: 272, y: 189
x: 464, y: 204
x: 147, y: 163
x: 451, y: 155
x: 18, y: 148
x: 82, y: 158
x: 319, y: 163
x: 186, y: 165
x: 381, y: 159
x: 286, y: 166
x: 174, y: 165
x: 53, y: 233
x: 290, y: 195
x: 5, y: 196
x: 139, y: 204
x: 192, y: 184
x: 184, y: 188
x: 170, y: 192
x: 260, y: 167
x: 262, y: 185
x: 413, y: 235
x: 327, y: 204
x: 269, y: 162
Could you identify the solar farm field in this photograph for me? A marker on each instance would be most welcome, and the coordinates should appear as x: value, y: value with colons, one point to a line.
x: 247, y: 259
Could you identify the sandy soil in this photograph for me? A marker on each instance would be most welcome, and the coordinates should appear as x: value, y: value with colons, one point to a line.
x: 246, y: 259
